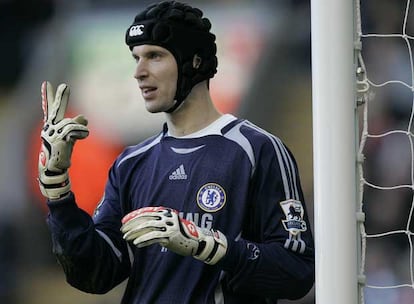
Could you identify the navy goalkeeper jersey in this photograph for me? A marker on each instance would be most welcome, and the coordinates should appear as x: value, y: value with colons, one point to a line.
x: 231, y: 176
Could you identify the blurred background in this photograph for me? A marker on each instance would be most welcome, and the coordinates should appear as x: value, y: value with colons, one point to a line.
x: 264, y: 75
x: 389, y: 161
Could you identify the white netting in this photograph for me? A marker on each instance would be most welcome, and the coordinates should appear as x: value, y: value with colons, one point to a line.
x: 385, y: 79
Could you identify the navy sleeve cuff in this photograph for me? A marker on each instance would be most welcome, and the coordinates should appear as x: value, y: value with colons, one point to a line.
x: 67, y: 214
x: 232, y: 257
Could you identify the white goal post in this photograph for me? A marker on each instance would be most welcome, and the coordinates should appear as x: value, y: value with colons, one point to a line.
x: 334, y: 146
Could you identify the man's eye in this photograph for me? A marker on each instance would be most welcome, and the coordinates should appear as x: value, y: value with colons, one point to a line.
x: 154, y: 55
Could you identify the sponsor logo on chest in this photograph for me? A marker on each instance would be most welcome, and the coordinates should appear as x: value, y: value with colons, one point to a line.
x: 202, y: 220
x: 178, y: 174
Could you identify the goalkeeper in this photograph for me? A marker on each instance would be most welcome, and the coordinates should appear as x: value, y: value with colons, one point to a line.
x: 210, y: 210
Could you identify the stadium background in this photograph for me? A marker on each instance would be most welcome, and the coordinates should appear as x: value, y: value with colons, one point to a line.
x: 264, y: 75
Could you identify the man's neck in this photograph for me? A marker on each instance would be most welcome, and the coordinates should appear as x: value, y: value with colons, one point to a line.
x: 195, y: 113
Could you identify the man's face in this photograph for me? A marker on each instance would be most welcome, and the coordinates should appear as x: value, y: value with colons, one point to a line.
x: 157, y: 74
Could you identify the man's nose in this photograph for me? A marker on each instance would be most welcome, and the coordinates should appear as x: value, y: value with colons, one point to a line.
x: 141, y: 70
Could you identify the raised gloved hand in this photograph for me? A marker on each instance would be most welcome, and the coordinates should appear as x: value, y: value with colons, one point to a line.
x: 162, y: 225
x: 58, y: 137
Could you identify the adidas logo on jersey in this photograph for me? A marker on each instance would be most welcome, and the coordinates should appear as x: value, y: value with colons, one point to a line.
x: 178, y: 173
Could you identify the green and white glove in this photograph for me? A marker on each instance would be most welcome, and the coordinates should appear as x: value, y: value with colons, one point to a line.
x: 58, y: 134
x: 163, y: 225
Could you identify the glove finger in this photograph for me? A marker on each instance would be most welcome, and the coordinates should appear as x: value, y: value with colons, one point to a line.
x: 144, y: 210
x: 128, y: 226
x: 149, y: 239
x: 72, y: 131
x: 60, y: 103
x: 141, y: 226
x: 138, y: 218
x: 80, y: 119
x: 136, y: 233
x: 75, y: 135
x: 142, y: 244
x: 47, y: 99
x: 80, y: 132
x: 143, y: 221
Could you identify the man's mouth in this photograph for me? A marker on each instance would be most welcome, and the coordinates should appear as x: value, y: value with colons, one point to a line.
x: 148, y: 92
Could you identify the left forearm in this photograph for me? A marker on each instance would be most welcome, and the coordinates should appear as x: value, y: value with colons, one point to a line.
x: 268, y: 269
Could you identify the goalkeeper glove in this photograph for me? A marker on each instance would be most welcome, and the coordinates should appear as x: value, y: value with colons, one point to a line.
x: 162, y: 225
x: 58, y: 137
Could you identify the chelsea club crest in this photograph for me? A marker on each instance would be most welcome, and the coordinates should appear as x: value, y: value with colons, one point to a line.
x: 211, y: 197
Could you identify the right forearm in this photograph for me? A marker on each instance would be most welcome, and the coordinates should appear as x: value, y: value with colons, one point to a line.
x: 87, y: 259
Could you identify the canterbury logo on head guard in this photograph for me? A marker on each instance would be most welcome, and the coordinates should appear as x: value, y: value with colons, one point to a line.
x: 136, y: 30
x: 183, y: 31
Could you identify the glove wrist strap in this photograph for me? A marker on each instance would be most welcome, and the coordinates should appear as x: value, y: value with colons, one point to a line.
x: 212, y: 248
x: 54, y: 186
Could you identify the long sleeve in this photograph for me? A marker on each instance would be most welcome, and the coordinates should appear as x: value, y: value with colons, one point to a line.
x: 268, y: 269
x: 93, y: 261
x: 274, y: 255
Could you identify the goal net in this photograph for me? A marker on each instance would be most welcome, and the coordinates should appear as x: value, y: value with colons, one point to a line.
x: 363, y: 115
x: 385, y: 78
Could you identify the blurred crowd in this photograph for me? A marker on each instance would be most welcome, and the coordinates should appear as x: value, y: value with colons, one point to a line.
x: 389, y: 158
x: 264, y: 76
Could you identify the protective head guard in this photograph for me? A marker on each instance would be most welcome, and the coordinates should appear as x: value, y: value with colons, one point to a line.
x: 180, y: 29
